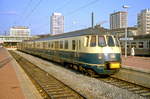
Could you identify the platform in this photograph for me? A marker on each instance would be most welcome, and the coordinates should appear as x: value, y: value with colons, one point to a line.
x: 14, y: 83
x: 136, y: 63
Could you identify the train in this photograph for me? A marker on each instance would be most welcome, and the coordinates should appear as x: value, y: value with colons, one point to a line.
x: 92, y: 51
x: 140, y: 43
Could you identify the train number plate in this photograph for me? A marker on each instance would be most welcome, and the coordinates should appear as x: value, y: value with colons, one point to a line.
x: 114, y: 65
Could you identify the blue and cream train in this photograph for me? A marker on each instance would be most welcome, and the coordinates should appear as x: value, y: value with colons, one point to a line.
x: 89, y: 50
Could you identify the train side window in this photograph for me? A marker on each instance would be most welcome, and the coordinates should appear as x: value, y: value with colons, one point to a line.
x: 128, y: 45
x: 66, y: 44
x: 87, y: 41
x: 73, y: 44
x: 52, y: 45
x: 44, y: 44
x: 61, y: 44
x: 56, y: 44
x: 149, y: 43
x: 133, y: 44
x: 93, y: 41
x: 79, y: 44
x: 49, y: 45
x: 141, y: 44
x: 38, y: 45
x: 101, y: 41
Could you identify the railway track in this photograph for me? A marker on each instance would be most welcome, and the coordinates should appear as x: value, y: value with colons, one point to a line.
x: 47, y: 85
x: 137, y: 89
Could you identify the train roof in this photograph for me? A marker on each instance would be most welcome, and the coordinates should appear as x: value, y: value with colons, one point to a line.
x: 145, y: 36
x: 88, y: 31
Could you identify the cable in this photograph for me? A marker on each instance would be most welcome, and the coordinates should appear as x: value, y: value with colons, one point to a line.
x: 76, y: 10
x: 23, y: 12
x: 82, y: 7
x: 63, y: 6
x: 35, y: 7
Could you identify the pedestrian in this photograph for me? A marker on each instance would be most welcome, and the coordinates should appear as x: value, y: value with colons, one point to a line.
x: 132, y: 51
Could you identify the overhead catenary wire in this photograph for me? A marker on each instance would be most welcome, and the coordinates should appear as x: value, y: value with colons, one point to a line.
x: 23, y: 12
x: 32, y: 10
x: 57, y: 9
x: 74, y: 11
x: 64, y: 5
x: 82, y: 7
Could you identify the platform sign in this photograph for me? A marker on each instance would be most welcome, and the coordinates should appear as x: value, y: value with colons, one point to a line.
x: 128, y: 39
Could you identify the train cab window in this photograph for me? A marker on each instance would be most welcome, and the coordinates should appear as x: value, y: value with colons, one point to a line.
x: 73, y: 44
x: 61, y: 44
x: 66, y: 44
x: 110, y: 41
x: 117, y: 42
x: 101, y: 41
x: 93, y: 41
x: 141, y: 44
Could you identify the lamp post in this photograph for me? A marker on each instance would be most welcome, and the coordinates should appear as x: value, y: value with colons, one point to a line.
x: 126, y: 26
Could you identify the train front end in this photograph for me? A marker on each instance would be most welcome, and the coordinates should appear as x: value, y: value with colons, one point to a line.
x: 108, y: 56
x: 111, y: 55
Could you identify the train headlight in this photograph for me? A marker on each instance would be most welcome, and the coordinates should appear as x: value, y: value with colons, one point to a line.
x: 112, y: 56
x: 100, y: 56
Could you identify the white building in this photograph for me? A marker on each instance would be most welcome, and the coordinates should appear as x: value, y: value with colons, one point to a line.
x: 144, y: 22
x: 57, y: 23
x: 118, y: 20
x: 19, y: 31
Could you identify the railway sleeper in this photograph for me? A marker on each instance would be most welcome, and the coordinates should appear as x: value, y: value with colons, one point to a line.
x: 135, y: 89
x: 57, y: 90
x: 60, y: 92
x: 142, y: 91
x: 147, y: 94
x: 64, y: 96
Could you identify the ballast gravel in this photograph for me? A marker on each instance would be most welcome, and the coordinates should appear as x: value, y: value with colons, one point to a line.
x: 91, y: 88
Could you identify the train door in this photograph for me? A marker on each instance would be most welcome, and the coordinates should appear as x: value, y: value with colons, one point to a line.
x: 77, y: 50
x: 76, y: 47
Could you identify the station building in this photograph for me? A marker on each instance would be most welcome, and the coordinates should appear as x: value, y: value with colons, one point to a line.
x: 120, y: 32
x: 16, y: 34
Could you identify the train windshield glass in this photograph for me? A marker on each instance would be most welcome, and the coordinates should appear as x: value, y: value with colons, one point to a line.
x: 117, y: 42
x: 101, y: 41
x: 110, y: 41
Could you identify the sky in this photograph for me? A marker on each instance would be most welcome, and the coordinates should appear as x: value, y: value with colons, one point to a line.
x: 35, y: 14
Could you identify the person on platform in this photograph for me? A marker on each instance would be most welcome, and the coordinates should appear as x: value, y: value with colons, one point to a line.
x: 132, y: 51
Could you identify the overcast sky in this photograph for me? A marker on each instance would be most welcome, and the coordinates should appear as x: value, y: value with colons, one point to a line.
x: 77, y: 13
